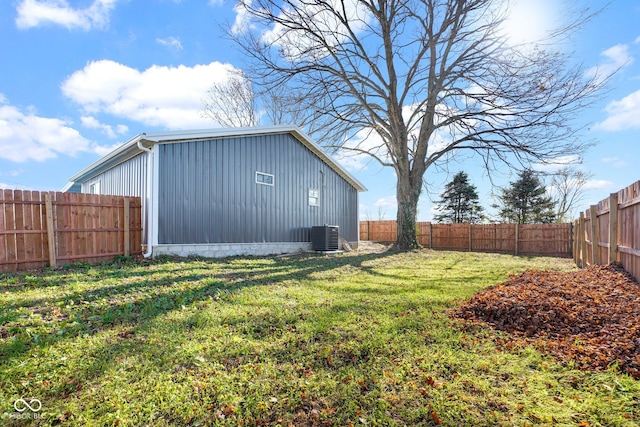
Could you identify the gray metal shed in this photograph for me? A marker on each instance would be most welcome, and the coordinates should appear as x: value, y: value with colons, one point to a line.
x: 232, y: 191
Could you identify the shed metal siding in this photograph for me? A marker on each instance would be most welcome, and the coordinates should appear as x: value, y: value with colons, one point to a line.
x: 128, y: 178
x: 208, y: 193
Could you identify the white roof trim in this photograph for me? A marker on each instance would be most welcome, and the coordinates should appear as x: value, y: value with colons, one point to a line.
x: 119, y: 154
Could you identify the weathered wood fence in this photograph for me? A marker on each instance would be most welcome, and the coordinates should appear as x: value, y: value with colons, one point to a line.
x: 520, y: 239
x: 610, y: 231
x: 39, y: 229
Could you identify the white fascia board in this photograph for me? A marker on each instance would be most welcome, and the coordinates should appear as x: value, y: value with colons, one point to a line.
x: 113, y: 158
x: 68, y: 187
x: 189, y: 135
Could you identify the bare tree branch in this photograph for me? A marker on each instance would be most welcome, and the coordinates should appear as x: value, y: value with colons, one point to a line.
x: 231, y: 103
x: 568, y: 190
x: 430, y: 78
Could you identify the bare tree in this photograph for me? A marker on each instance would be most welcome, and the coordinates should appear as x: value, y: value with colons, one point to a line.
x: 280, y: 105
x: 568, y: 190
x: 239, y: 102
x: 413, y: 82
x: 381, y: 214
x: 232, y: 102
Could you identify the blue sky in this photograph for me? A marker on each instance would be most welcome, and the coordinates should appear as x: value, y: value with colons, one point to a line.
x: 77, y: 78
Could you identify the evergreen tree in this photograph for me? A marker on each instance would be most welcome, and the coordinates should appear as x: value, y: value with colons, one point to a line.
x: 459, y: 202
x: 526, y: 201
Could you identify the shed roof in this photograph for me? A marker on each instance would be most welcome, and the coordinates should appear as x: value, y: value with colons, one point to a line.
x: 131, y: 148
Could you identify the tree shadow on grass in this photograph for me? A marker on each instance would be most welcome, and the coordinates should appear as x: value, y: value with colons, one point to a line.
x: 133, y: 310
x: 267, y: 327
x: 134, y: 307
x: 179, y: 284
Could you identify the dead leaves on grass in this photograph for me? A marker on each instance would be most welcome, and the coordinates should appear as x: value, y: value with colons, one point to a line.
x: 590, y: 316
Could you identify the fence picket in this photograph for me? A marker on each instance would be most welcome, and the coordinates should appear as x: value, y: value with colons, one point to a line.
x: 529, y: 239
x: 610, y: 231
x: 3, y: 237
x: 10, y: 226
x: 86, y: 228
x: 51, y: 230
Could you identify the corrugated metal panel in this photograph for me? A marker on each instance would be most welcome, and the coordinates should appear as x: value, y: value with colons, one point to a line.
x: 126, y: 179
x: 208, y: 192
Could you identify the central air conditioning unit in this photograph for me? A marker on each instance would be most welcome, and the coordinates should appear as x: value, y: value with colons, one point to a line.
x: 324, y: 238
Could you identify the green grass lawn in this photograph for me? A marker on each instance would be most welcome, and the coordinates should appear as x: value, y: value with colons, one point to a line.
x: 357, y: 339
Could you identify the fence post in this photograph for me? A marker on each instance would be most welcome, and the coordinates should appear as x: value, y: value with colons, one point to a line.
x: 571, y: 239
x: 613, y: 227
x: 51, y: 236
x: 593, y: 212
x: 583, y: 241
x: 469, y: 237
x: 430, y: 235
x: 576, y: 241
x: 516, y: 248
x: 127, y: 227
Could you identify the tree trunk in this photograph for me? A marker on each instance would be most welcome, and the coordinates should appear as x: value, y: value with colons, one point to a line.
x: 407, y: 196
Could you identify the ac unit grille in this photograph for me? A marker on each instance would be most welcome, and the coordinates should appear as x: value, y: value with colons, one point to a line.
x: 324, y: 238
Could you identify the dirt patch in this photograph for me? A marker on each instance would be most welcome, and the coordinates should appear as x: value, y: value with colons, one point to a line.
x: 367, y: 246
x: 590, y: 316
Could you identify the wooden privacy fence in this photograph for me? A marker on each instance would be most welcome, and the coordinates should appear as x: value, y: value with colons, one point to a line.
x: 39, y: 229
x: 610, y: 231
x: 520, y: 239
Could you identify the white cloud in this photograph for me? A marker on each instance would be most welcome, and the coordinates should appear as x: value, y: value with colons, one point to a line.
x: 351, y: 160
x: 296, y: 44
x: 158, y: 96
x: 616, y: 57
x: 172, y: 43
x: 623, y: 114
x: 383, y: 208
x: 598, y: 184
x: 12, y: 185
x: 616, y: 162
x: 13, y: 173
x: 91, y: 122
x: 353, y: 154
x: 34, y: 13
x: 557, y: 163
x: 25, y: 136
x: 6, y: 186
x: 242, y: 23
x: 353, y: 157
x: 103, y: 150
x: 389, y: 202
x: 637, y: 40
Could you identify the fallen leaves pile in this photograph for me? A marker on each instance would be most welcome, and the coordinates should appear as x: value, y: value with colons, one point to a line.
x: 590, y: 316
